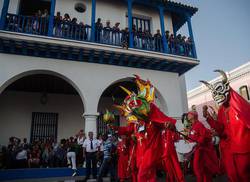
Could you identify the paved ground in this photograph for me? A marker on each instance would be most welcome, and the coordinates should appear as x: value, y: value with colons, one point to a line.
x: 80, y: 179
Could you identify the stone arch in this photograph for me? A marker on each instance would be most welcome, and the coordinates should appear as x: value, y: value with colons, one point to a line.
x: 42, y: 71
x: 70, y: 120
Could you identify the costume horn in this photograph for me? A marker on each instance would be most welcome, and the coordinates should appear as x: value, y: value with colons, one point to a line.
x: 223, y: 74
x: 125, y: 90
x: 207, y: 84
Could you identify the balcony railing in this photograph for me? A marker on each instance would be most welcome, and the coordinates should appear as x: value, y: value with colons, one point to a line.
x: 26, y: 24
x: 80, y: 32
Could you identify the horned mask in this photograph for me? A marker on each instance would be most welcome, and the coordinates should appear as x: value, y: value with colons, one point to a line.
x: 220, y: 89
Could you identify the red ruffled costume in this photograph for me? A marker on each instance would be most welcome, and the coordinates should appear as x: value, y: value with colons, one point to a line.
x: 170, y: 160
x: 205, y: 162
x: 150, y: 150
x: 154, y: 152
x: 233, y: 127
x: 123, y: 159
x: 130, y: 131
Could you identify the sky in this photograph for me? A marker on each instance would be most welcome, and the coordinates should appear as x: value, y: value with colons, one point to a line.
x: 222, y: 36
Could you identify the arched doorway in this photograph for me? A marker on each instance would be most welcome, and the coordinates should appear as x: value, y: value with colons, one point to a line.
x: 113, y: 94
x: 38, y: 106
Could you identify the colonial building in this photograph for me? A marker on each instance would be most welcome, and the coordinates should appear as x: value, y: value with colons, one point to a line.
x: 239, y: 79
x: 58, y: 74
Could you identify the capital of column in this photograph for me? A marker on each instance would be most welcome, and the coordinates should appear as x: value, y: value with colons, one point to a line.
x: 90, y: 122
x: 90, y: 115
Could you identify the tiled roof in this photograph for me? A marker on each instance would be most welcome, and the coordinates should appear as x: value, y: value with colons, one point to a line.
x: 181, y: 5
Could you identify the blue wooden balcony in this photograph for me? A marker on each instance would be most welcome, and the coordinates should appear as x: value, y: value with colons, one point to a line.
x: 80, y: 32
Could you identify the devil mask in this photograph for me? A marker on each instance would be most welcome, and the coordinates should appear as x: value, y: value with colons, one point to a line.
x: 220, y: 89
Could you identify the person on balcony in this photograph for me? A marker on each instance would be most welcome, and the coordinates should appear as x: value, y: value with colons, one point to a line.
x: 116, y: 34
x: 44, y: 21
x: 66, y: 25
x: 167, y: 37
x: 139, y: 38
x: 178, y: 44
x: 171, y: 43
x: 158, y: 41
x: 36, y: 23
x: 182, y: 45
x: 45, y: 14
x: 82, y: 31
x: 106, y: 33
x: 58, y: 24
x: 167, y: 34
x: 125, y: 38
x: 148, y: 40
x: 189, y: 44
x: 134, y: 32
x: 73, y: 28
x: 134, y: 29
x: 98, y: 30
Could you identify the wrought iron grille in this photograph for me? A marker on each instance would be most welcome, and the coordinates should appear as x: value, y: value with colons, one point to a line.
x: 44, y: 126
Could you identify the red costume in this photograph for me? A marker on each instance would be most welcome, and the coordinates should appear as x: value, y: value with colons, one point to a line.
x: 153, y: 150
x: 150, y: 123
x: 129, y: 131
x: 170, y: 159
x: 205, y: 160
x: 233, y: 127
x: 123, y: 159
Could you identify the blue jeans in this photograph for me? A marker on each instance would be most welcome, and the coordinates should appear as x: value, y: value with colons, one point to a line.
x: 107, y: 164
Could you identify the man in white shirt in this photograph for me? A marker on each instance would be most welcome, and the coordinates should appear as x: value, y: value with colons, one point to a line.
x: 91, y: 147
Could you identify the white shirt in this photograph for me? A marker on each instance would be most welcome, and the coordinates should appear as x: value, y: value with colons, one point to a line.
x: 101, y: 145
x: 21, y: 155
x: 87, y: 145
x: 80, y: 140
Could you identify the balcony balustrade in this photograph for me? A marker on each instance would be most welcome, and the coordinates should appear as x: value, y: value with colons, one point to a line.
x: 81, y: 32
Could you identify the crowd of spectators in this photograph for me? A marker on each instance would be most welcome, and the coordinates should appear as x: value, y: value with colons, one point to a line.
x: 74, y: 152
x: 41, y: 153
x: 142, y: 38
x: 67, y: 27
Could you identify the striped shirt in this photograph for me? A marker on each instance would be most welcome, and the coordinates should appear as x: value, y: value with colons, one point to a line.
x: 107, y: 148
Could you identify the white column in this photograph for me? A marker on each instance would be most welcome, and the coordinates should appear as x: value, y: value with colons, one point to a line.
x: 90, y: 123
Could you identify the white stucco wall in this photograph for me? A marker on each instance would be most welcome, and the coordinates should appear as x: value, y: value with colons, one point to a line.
x: 1, y: 6
x: 112, y: 10
x: 16, y: 113
x: 116, y: 11
x: 66, y: 6
x: 168, y: 22
x: 13, y: 6
x: 183, y: 93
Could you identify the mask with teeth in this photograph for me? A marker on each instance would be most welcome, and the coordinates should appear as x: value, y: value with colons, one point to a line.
x: 220, y: 89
